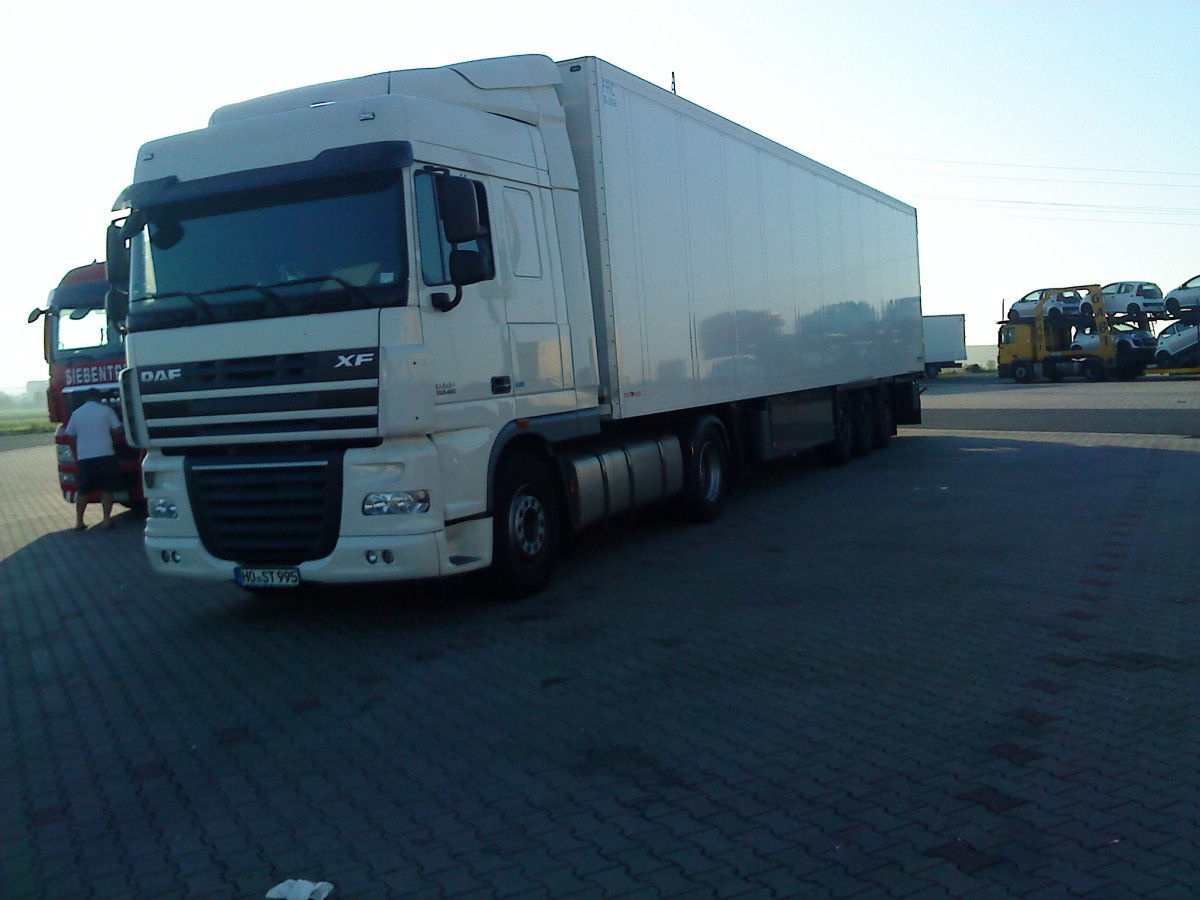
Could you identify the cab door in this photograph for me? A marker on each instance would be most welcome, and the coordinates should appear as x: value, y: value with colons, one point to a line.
x: 465, y: 328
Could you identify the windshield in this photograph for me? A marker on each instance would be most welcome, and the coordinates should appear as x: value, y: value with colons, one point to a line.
x: 329, y: 244
x: 79, y: 321
x: 82, y: 329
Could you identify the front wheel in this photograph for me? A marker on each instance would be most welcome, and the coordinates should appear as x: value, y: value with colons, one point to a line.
x: 526, y: 536
x: 1022, y: 371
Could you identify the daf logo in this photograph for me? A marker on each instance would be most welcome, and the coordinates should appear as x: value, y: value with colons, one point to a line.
x: 353, y: 360
x: 148, y: 375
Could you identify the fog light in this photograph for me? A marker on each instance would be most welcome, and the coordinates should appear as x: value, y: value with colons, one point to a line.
x: 389, y: 557
x: 372, y: 557
x: 165, y: 556
x: 388, y: 503
x: 175, y: 557
x: 162, y: 508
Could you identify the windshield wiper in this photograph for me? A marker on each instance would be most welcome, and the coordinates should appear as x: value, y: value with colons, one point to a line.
x: 265, y: 291
x: 352, y: 290
x: 196, y: 299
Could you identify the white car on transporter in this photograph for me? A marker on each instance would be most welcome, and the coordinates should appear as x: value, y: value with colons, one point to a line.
x: 1129, y: 341
x: 1133, y: 297
x: 1186, y: 296
x: 1175, y: 342
x: 1061, y: 305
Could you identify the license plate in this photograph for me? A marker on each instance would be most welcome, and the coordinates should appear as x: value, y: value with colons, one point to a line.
x: 267, y: 578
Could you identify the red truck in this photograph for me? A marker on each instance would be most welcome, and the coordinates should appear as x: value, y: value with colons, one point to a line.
x: 84, y: 350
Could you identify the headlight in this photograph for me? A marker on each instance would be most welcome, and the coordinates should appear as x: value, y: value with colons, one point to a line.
x: 162, y: 508
x: 64, y: 453
x: 387, y: 503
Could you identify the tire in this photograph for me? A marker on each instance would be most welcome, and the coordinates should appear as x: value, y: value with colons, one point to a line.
x: 885, y: 419
x: 1054, y: 315
x: 526, y: 526
x: 706, y: 470
x: 840, y: 450
x: 1133, y: 309
x: 1014, y: 316
x: 1086, y: 311
x: 1022, y: 371
x: 1173, y: 307
x: 1163, y: 360
x: 864, y: 422
x: 1093, y: 370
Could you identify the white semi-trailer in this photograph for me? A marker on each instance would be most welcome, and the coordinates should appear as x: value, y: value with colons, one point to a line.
x: 429, y: 321
x: 945, y: 342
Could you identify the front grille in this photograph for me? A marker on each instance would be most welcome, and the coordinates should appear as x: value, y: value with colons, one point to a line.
x: 267, y: 510
x: 317, y: 396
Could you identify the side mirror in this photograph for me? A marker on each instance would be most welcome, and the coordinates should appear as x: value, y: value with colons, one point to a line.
x: 458, y: 207
x: 467, y: 267
x: 35, y: 315
x: 116, y: 255
x: 116, y: 304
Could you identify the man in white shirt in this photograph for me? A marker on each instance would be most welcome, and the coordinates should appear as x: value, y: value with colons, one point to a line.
x: 93, y: 426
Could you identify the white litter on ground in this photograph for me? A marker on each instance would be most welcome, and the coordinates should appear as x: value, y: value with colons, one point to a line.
x: 297, y: 889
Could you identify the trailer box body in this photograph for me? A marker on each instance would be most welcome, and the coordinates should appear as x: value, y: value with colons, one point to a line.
x: 723, y: 265
x: 945, y: 341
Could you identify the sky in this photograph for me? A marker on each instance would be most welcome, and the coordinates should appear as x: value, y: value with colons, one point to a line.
x: 1045, y: 143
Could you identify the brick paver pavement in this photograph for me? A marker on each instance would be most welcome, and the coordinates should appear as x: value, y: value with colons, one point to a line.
x: 964, y: 667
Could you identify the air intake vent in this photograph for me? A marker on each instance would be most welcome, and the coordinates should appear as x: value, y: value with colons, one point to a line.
x: 267, y: 510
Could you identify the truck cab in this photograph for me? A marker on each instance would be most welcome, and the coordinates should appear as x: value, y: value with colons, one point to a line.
x: 84, y: 349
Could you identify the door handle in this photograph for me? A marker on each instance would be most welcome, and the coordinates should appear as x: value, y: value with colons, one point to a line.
x: 501, y: 384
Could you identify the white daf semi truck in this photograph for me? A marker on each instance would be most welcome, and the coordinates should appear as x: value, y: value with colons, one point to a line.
x: 431, y: 321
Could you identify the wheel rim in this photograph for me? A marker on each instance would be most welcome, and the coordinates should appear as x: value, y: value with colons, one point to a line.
x: 710, y: 472
x: 527, y: 524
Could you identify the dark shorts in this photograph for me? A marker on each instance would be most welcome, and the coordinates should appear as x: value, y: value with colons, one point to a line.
x: 99, y: 474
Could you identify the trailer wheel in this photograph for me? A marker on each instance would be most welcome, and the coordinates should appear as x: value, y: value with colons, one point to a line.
x: 884, y: 423
x: 864, y: 422
x: 526, y: 526
x: 840, y: 450
x: 1093, y: 370
x: 705, y: 471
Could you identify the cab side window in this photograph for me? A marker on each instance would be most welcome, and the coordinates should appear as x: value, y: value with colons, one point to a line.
x: 434, y: 248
